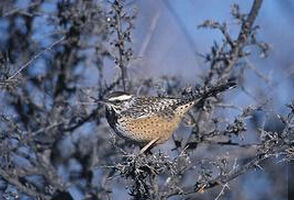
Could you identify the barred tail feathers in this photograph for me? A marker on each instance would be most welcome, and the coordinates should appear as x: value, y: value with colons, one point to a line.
x: 218, y: 89
x: 201, y: 95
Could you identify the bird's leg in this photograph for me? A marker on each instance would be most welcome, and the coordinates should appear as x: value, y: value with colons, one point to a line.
x: 188, y: 120
x: 147, y: 146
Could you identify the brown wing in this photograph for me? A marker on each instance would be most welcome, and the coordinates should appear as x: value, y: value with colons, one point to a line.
x: 147, y: 106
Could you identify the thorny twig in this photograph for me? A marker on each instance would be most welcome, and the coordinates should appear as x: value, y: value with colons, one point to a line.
x: 122, y: 24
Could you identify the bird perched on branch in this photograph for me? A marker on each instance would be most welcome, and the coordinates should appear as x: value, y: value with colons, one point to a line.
x: 152, y: 120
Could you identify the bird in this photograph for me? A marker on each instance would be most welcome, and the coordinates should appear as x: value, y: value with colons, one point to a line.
x: 151, y: 120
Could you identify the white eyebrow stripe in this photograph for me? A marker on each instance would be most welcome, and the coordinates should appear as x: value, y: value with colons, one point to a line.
x: 120, y: 98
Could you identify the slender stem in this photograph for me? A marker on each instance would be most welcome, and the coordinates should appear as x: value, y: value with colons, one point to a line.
x: 120, y: 48
x: 34, y: 58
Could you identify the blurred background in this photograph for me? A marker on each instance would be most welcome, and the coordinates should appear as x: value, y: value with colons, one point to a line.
x: 174, y: 42
x: 166, y: 42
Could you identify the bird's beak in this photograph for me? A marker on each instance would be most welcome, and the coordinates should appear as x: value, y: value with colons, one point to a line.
x: 101, y: 101
x: 104, y: 102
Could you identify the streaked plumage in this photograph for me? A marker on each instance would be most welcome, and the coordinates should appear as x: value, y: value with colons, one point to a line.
x: 150, y: 119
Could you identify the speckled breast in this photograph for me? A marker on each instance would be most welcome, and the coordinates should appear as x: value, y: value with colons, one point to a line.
x: 157, y: 126
x: 148, y: 128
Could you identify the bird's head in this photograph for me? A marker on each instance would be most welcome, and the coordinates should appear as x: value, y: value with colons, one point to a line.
x: 117, y: 101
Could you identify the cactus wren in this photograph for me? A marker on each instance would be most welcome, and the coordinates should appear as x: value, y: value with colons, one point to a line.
x: 151, y: 120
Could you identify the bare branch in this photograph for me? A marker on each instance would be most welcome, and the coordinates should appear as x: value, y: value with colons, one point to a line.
x: 34, y: 58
